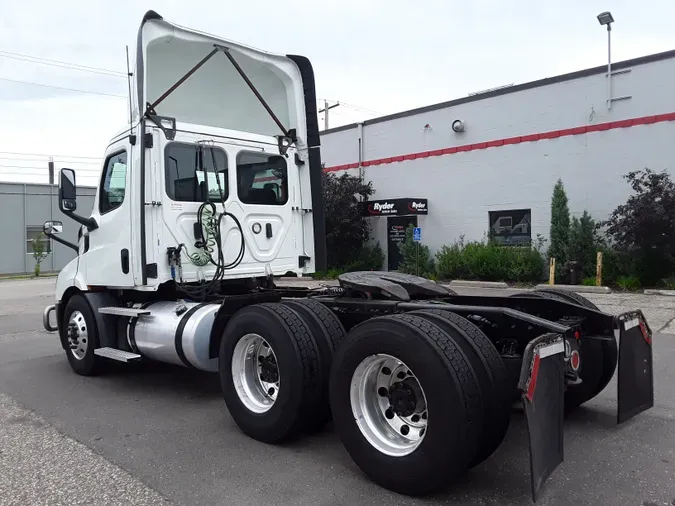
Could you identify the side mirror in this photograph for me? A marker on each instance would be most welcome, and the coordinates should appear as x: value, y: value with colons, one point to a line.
x: 67, y: 191
x: 52, y: 227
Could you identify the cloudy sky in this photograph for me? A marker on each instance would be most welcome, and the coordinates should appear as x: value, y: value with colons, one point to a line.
x: 375, y: 56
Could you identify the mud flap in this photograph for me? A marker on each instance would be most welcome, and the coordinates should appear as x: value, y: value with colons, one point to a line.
x: 635, y: 383
x: 542, y: 383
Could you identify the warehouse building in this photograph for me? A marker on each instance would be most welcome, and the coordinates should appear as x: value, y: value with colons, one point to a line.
x: 488, y: 162
x: 24, y: 208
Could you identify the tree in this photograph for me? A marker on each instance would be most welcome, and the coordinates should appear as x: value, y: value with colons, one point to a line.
x: 39, y: 251
x: 347, y: 230
x: 584, y: 243
x: 643, y: 228
x: 560, y: 224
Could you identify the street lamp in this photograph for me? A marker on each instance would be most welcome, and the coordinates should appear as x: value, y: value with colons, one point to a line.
x: 605, y: 18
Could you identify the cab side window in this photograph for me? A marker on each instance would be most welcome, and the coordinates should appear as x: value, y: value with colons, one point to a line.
x: 113, y: 182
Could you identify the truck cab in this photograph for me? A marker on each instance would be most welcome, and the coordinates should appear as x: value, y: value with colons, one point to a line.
x: 217, y: 174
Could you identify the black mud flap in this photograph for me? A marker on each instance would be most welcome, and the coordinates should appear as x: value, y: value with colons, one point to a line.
x: 636, y: 372
x: 542, y: 383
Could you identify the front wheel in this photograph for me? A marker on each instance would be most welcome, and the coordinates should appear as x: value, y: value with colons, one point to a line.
x: 80, y: 334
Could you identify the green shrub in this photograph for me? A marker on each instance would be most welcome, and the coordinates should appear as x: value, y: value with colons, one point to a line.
x: 450, y: 261
x: 415, y: 261
x: 669, y: 283
x: 630, y: 283
x: 487, y: 261
x: 370, y: 258
x: 588, y: 282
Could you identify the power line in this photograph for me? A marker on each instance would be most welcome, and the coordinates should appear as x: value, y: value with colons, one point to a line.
x: 62, y: 88
x: 55, y: 156
x: 45, y: 160
x: 62, y: 64
x: 362, y: 108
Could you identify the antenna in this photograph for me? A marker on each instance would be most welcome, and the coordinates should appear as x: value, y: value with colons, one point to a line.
x: 129, y: 74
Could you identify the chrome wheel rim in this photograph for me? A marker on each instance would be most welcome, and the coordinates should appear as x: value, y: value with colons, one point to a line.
x: 255, y: 373
x: 389, y: 405
x: 78, y: 335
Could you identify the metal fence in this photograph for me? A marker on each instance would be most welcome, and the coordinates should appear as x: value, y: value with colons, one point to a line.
x: 24, y: 207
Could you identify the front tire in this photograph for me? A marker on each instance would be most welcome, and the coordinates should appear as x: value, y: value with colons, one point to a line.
x: 80, y: 334
x: 428, y: 435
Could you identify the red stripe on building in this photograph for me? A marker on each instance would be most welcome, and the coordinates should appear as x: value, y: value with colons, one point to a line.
x: 536, y: 137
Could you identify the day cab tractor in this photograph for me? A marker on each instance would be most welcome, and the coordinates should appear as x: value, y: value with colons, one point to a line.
x: 213, y: 192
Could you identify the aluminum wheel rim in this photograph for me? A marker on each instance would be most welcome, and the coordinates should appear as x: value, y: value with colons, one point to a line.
x: 389, y: 428
x: 255, y: 373
x: 78, y: 336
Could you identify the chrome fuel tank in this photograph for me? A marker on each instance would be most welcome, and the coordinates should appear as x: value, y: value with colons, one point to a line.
x: 176, y: 333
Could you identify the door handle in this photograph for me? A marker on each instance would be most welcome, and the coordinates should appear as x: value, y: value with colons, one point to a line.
x: 268, y: 230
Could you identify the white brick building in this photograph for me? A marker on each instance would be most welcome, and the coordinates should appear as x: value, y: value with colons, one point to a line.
x: 516, y: 143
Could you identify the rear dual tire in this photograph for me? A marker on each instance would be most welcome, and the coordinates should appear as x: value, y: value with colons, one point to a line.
x: 441, y: 364
x: 598, y: 358
x: 274, y: 365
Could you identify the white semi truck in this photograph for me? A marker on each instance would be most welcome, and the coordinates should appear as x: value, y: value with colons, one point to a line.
x: 214, y: 190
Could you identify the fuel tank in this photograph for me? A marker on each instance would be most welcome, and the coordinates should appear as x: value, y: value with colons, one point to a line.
x: 175, y: 333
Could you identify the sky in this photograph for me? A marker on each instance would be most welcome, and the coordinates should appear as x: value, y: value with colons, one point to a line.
x: 374, y: 56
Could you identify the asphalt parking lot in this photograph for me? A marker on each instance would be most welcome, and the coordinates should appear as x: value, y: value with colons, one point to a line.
x: 162, y: 435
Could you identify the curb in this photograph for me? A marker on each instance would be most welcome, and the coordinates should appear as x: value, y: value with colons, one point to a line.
x: 478, y: 284
x: 667, y: 293
x: 577, y: 288
x: 293, y: 278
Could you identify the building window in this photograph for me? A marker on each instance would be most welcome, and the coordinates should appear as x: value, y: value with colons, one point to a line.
x: 113, y: 183
x: 33, y: 232
x: 262, y: 179
x: 511, y: 227
x: 190, y: 173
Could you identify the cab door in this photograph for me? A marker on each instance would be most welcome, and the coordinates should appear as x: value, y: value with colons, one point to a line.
x: 107, y: 255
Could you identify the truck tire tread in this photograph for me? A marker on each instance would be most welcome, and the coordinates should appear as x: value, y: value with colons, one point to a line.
x: 496, y: 399
x: 572, y: 296
x: 284, y: 423
x: 327, y: 332
x: 451, y: 389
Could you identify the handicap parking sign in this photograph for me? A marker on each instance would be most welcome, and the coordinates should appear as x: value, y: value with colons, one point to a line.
x: 417, y: 234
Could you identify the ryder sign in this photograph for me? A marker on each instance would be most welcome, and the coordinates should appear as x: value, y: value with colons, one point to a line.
x: 395, y: 207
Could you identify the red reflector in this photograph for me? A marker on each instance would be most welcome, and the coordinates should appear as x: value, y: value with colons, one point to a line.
x: 575, y: 360
x: 577, y: 335
x: 645, y: 334
x: 533, y: 378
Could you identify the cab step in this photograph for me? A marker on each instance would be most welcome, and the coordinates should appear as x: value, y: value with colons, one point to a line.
x: 124, y: 311
x: 115, y: 354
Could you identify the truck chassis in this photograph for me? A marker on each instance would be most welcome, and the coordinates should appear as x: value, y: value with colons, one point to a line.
x: 419, y: 381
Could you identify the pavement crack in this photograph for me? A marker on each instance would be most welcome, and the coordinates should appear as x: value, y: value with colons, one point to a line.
x: 667, y: 324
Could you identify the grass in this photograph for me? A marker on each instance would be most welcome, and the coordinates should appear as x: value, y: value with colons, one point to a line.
x: 11, y: 277
x: 628, y: 283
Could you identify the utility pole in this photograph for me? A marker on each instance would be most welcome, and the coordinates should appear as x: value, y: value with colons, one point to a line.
x: 50, y: 168
x: 325, y: 110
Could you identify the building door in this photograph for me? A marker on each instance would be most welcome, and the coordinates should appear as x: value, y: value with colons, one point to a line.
x: 396, y: 226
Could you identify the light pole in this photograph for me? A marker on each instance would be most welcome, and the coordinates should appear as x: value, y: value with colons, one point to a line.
x: 605, y: 18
